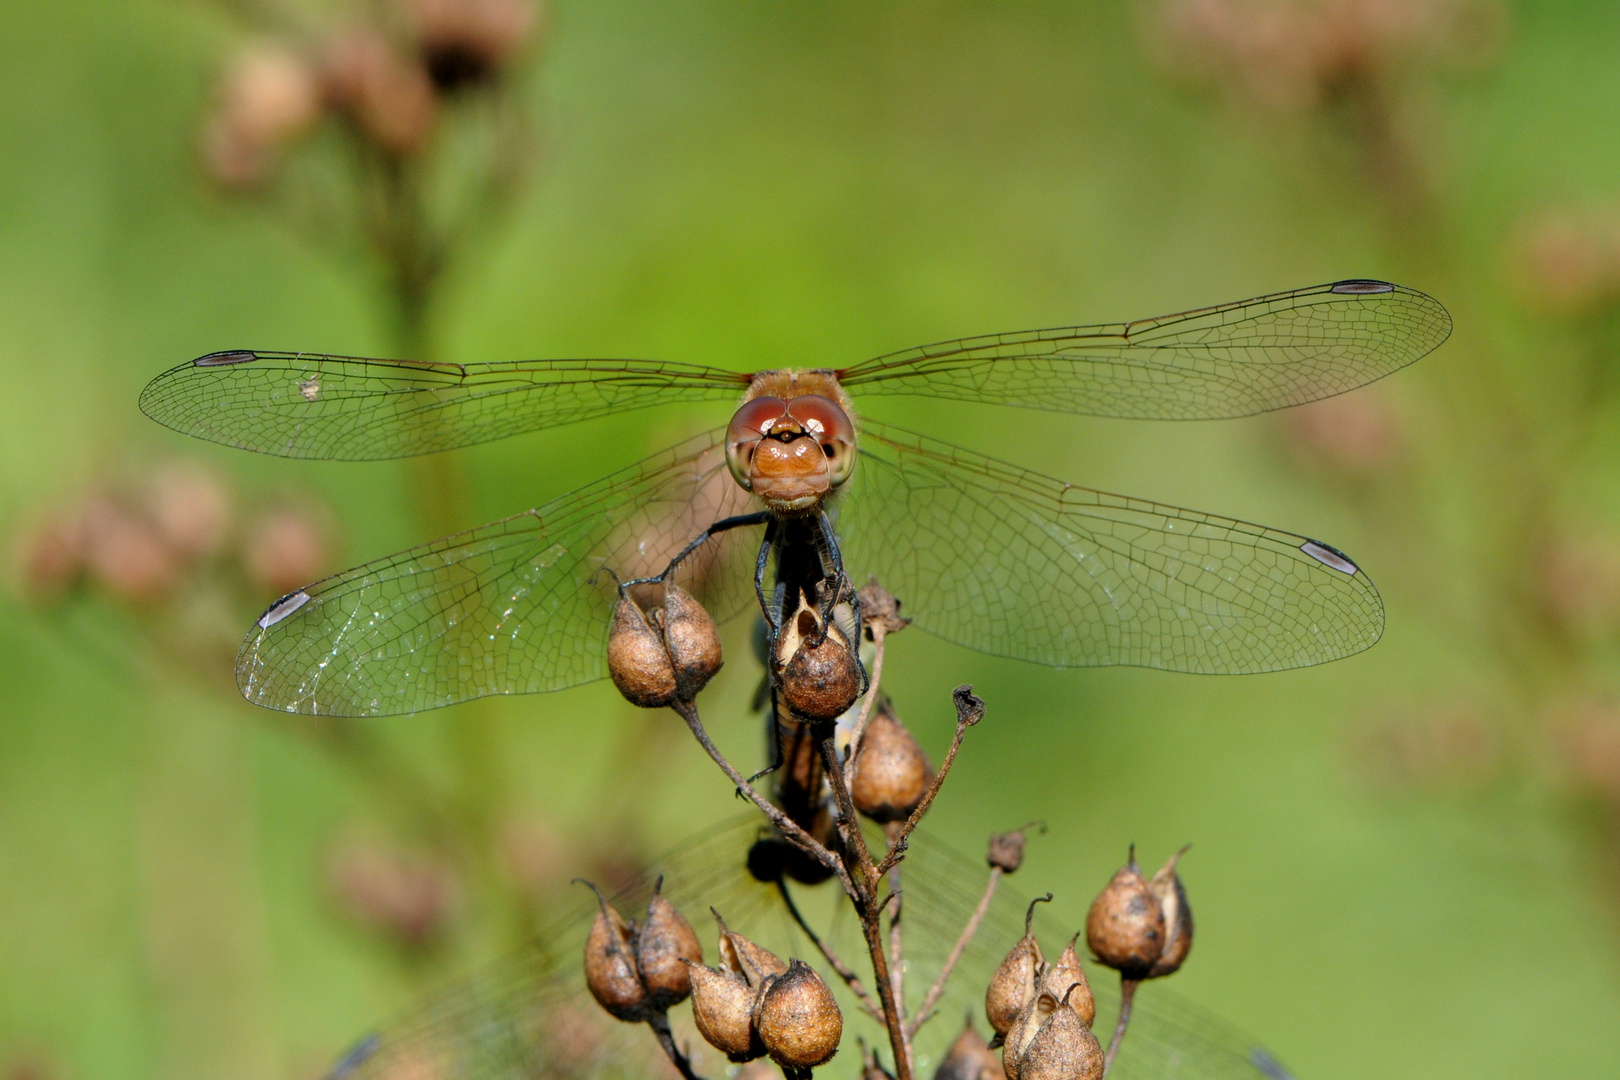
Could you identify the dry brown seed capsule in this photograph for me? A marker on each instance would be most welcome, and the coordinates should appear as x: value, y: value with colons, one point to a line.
x: 798, y: 1019
x: 637, y: 660
x: 1013, y: 985
x: 723, y: 1008
x: 1060, y: 1047
x: 969, y: 1058
x: 738, y: 954
x: 610, y: 966
x: 1125, y: 927
x: 692, y: 641
x: 819, y: 681
x: 891, y: 771
x: 1006, y: 851
x: 1067, y: 979
x: 665, y: 942
x: 1178, y: 920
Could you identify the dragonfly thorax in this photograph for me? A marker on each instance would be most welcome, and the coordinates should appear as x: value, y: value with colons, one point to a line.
x: 791, y: 447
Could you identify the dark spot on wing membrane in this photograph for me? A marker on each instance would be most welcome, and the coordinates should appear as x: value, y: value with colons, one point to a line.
x: 226, y: 359
x: 1329, y: 556
x: 283, y: 608
x: 1362, y: 287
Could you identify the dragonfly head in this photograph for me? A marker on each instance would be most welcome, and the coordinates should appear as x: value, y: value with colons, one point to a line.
x: 791, y: 451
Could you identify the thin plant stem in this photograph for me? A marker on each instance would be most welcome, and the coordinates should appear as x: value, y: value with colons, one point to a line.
x: 789, y: 828
x: 852, y: 980
x: 969, y: 711
x: 866, y: 877
x: 879, y: 635
x: 1127, y: 994
x: 659, y: 1022
x: 930, y: 999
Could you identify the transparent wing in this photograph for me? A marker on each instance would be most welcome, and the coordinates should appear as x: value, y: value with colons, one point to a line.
x: 349, y: 408
x: 1233, y: 360
x: 531, y: 1016
x: 1009, y: 562
x: 514, y: 607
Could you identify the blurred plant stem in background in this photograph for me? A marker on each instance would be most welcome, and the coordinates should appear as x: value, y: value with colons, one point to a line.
x: 394, y: 136
x: 1337, y: 80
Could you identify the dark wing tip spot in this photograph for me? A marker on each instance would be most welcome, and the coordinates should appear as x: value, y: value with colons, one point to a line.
x: 1329, y: 556
x: 227, y: 358
x: 283, y: 608
x: 1361, y: 287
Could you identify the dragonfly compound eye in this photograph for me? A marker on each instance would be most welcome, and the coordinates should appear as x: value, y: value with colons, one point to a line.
x: 832, y: 429
x: 748, y: 426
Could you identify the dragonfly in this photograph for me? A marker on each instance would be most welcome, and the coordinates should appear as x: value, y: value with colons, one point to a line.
x: 984, y: 553
x: 530, y: 1015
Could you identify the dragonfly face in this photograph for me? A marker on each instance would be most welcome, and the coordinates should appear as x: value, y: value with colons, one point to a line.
x: 984, y: 553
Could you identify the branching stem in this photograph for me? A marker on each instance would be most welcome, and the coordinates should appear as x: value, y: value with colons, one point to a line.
x: 1127, y: 995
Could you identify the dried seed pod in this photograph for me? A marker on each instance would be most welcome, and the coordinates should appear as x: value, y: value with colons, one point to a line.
x: 692, y: 641
x: 723, y: 1008
x: 663, y: 947
x: 752, y: 962
x: 1013, y: 985
x: 1053, y: 1044
x: 891, y: 771
x: 1125, y: 927
x: 1006, y: 851
x: 797, y: 1018
x: 637, y: 660
x: 610, y: 966
x: 1178, y: 920
x: 880, y: 610
x: 969, y: 1058
x: 819, y: 680
x: 1066, y: 979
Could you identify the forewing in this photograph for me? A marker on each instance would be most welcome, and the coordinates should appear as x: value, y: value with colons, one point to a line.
x: 531, y: 1016
x: 350, y: 408
x: 514, y: 607
x: 1009, y: 562
x: 1233, y: 360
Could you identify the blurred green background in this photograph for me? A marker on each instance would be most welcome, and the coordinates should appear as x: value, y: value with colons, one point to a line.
x: 1405, y: 864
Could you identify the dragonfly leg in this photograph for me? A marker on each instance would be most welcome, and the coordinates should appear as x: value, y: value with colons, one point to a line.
x: 723, y: 525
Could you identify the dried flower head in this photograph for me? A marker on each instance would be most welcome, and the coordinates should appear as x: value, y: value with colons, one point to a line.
x: 666, y: 946
x: 284, y: 550
x: 390, y: 99
x: 798, y: 1019
x: 818, y: 674
x: 464, y: 42
x: 723, y: 1011
x: 1066, y: 980
x: 638, y: 663
x: 692, y: 641
x: 1049, y: 1041
x: 1125, y: 927
x: 1013, y: 985
x: 891, y: 771
x: 1178, y: 920
x: 270, y: 95
x: 610, y: 964
x: 969, y: 1058
x: 408, y: 896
